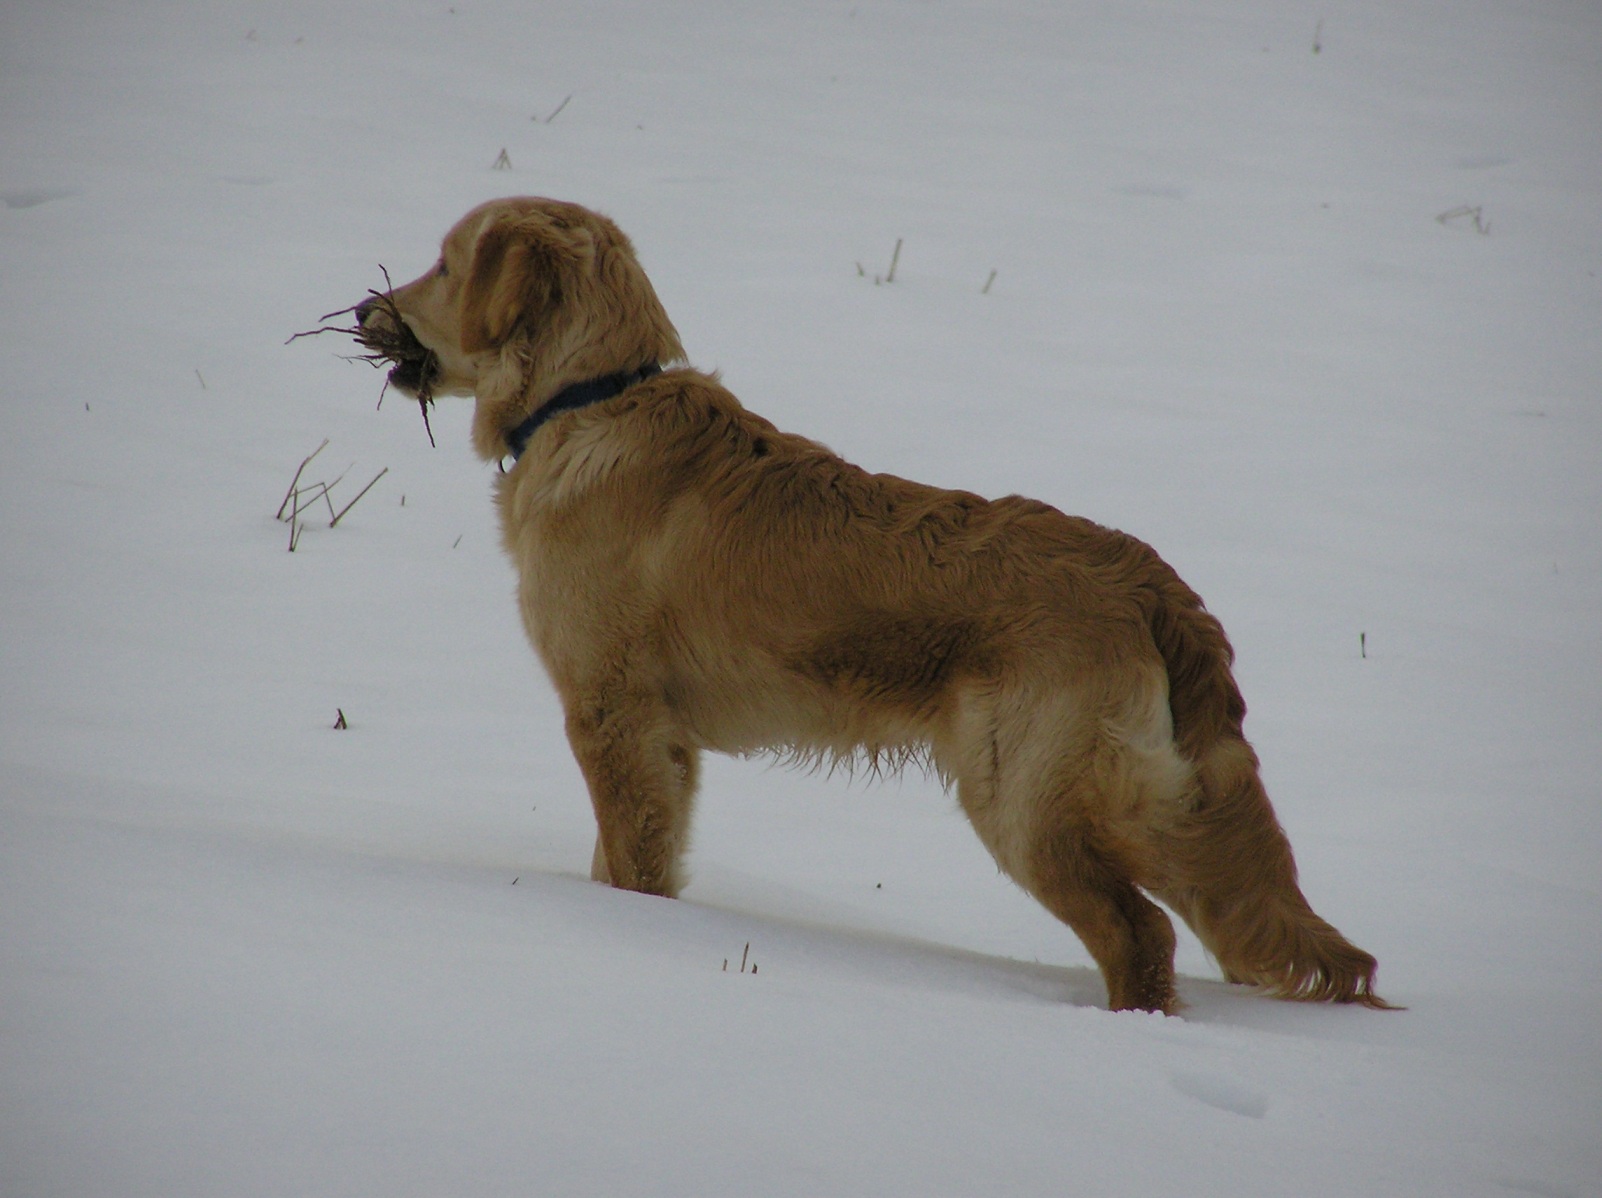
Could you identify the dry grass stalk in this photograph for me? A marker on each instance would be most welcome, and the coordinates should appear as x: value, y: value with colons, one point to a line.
x: 1475, y: 213
x: 300, y: 498
x: 352, y: 503
x: 292, y: 493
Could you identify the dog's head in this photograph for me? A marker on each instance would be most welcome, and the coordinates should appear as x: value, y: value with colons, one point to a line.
x: 528, y: 296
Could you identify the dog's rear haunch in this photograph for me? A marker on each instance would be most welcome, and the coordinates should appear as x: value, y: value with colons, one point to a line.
x: 695, y: 579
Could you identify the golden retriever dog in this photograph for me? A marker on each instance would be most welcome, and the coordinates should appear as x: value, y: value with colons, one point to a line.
x: 693, y: 578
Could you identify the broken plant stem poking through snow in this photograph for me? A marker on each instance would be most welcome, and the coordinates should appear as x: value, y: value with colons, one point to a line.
x: 297, y: 497
x: 359, y: 494
x: 292, y: 493
x: 1474, y: 214
x: 890, y: 275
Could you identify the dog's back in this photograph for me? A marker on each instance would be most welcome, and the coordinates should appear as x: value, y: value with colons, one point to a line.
x: 1060, y: 673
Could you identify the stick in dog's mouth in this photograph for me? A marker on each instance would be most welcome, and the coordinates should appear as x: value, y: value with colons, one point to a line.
x: 413, y: 366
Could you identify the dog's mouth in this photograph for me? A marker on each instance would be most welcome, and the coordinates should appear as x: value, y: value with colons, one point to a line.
x: 414, y: 369
x: 387, y: 337
x: 415, y: 376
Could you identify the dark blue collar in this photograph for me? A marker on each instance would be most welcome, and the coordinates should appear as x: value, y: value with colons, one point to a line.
x: 579, y: 395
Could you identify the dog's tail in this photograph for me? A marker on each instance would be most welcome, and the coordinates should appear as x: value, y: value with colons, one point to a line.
x: 1228, y: 866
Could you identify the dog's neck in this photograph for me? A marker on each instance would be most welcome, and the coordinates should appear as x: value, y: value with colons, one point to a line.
x: 578, y: 395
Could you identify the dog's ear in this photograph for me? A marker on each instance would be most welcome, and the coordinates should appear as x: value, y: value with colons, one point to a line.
x: 521, y: 270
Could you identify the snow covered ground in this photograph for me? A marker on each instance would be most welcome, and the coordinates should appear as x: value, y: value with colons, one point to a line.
x: 242, y: 953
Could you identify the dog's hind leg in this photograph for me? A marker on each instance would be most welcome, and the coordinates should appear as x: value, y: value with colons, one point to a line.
x: 1041, y: 809
x: 598, y: 867
x: 1127, y: 934
x: 642, y: 777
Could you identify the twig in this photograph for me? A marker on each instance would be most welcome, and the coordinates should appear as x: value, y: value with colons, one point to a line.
x: 502, y: 162
x: 1474, y: 211
x: 341, y: 477
x: 315, y: 492
x: 895, y: 257
x: 290, y: 493
x: 985, y: 290
x: 359, y: 494
x: 559, y: 108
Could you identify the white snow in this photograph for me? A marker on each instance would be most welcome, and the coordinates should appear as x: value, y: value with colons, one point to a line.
x: 242, y: 953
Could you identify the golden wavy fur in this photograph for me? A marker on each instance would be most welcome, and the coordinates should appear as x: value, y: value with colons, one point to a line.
x: 693, y: 578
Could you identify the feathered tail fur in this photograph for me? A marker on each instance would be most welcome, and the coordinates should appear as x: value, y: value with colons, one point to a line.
x: 1229, y: 869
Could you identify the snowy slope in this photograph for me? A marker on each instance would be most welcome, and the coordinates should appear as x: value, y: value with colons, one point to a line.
x: 242, y: 953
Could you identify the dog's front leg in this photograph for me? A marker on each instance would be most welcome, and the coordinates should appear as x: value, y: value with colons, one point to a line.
x: 642, y: 778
